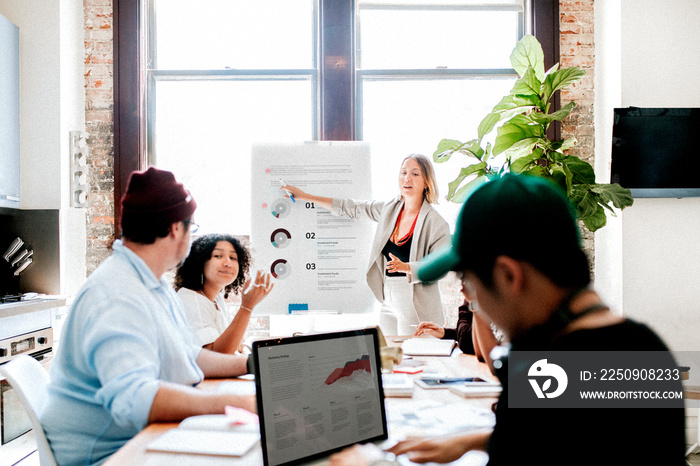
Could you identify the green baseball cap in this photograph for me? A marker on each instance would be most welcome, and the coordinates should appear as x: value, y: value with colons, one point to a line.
x: 520, y: 216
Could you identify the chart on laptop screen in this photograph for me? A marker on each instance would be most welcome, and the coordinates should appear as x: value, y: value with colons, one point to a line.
x: 318, y: 395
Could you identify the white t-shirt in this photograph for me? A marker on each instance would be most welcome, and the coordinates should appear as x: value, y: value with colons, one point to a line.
x: 206, y: 320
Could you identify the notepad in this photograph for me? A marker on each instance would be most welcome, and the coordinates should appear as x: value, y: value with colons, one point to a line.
x: 397, y: 385
x: 202, y: 442
x: 210, y: 434
x: 428, y: 347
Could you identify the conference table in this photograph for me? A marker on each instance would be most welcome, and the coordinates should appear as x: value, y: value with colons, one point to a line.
x: 135, y: 452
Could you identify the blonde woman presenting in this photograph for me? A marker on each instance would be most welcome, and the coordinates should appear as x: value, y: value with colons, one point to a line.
x: 408, y: 229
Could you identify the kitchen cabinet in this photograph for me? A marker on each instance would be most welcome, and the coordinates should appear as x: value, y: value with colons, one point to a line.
x: 9, y: 114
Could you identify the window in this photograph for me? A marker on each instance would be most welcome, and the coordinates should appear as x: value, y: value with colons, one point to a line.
x: 428, y: 71
x: 220, y: 77
x: 212, y: 79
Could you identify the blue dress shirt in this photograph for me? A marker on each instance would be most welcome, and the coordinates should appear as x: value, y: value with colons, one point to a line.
x: 125, y: 333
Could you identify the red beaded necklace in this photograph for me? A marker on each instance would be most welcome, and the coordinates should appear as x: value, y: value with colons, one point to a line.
x: 407, y: 236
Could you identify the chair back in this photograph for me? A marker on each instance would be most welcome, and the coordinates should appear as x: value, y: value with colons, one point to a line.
x: 31, y: 382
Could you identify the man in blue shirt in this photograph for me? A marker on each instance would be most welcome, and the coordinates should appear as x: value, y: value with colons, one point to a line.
x: 127, y: 357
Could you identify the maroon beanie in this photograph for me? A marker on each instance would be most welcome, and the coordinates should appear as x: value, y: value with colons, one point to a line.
x: 153, y: 197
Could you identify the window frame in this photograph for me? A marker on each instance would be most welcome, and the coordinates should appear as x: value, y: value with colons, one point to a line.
x: 419, y: 74
x: 336, y: 78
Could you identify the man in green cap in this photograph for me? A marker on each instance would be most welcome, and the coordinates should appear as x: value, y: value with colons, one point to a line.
x: 517, y: 249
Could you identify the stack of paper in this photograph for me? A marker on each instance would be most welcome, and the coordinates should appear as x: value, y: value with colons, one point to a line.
x: 397, y: 385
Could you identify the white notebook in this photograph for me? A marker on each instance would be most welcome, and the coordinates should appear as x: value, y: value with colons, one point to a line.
x: 208, y: 435
x: 428, y: 347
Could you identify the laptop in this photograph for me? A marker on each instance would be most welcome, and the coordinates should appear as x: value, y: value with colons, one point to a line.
x: 318, y: 394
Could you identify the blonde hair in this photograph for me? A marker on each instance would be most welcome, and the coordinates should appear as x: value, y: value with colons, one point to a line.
x: 430, y: 193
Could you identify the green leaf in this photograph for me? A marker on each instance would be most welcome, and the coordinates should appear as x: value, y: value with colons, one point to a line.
x: 528, y: 52
x: 561, y: 79
x: 559, y: 115
x: 619, y: 196
x: 596, y: 220
x: 557, y: 174
x: 568, y: 144
x: 465, y: 172
x: 588, y: 205
x: 569, y: 178
x: 552, y: 70
x: 508, y: 107
x: 524, y: 163
x: 445, y: 149
x: 521, y: 148
x: 487, y: 124
x: 466, y: 190
x: 521, y: 103
x: 561, y: 176
x: 535, y: 171
x: 527, y: 85
x: 514, y: 131
x: 582, y: 172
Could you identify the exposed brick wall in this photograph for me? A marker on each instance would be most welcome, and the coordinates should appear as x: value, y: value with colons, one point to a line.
x: 99, y: 122
x: 577, y: 48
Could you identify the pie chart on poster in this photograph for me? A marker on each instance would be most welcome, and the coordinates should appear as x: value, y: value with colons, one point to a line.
x: 280, y: 238
x: 280, y: 269
x: 281, y: 207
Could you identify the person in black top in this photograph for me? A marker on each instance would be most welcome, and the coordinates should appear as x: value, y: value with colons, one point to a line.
x: 520, y: 257
x: 462, y: 333
x: 472, y: 333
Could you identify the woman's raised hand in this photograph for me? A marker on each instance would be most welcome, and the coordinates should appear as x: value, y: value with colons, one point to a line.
x: 294, y: 191
x: 255, y: 289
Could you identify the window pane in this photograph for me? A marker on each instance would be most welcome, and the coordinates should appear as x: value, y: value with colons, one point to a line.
x: 396, y: 126
x: 204, y: 131
x: 436, y: 38
x: 220, y: 34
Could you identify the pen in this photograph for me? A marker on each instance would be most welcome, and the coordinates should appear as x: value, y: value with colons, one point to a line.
x: 289, y: 193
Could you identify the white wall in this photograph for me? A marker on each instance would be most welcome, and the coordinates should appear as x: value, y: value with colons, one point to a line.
x: 658, y: 238
x: 73, y: 220
x: 608, y: 95
x: 52, y: 103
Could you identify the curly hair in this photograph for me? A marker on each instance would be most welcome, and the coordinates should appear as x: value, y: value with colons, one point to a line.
x: 190, y: 274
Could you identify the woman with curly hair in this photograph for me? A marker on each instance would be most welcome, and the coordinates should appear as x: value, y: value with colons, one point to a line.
x: 217, y: 266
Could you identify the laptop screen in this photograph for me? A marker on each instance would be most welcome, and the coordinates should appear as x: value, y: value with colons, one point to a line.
x: 317, y: 394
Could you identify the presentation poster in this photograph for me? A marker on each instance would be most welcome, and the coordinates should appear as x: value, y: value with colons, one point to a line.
x: 318, y: 261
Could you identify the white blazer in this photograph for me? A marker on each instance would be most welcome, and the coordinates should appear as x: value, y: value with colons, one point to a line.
x: 430, y: 234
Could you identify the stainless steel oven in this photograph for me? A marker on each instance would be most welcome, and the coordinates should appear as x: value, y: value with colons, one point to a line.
x: 31, y: 334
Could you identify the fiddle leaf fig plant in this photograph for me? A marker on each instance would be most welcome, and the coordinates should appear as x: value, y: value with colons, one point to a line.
x: 521, y: 144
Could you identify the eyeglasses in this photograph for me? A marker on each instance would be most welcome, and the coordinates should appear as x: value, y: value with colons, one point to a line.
x: 191, y: 225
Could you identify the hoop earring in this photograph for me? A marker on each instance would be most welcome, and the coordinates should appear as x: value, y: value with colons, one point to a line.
x: 202, y: 278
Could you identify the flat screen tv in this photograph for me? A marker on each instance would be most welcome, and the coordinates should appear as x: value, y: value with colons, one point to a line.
x: 655, y: 151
